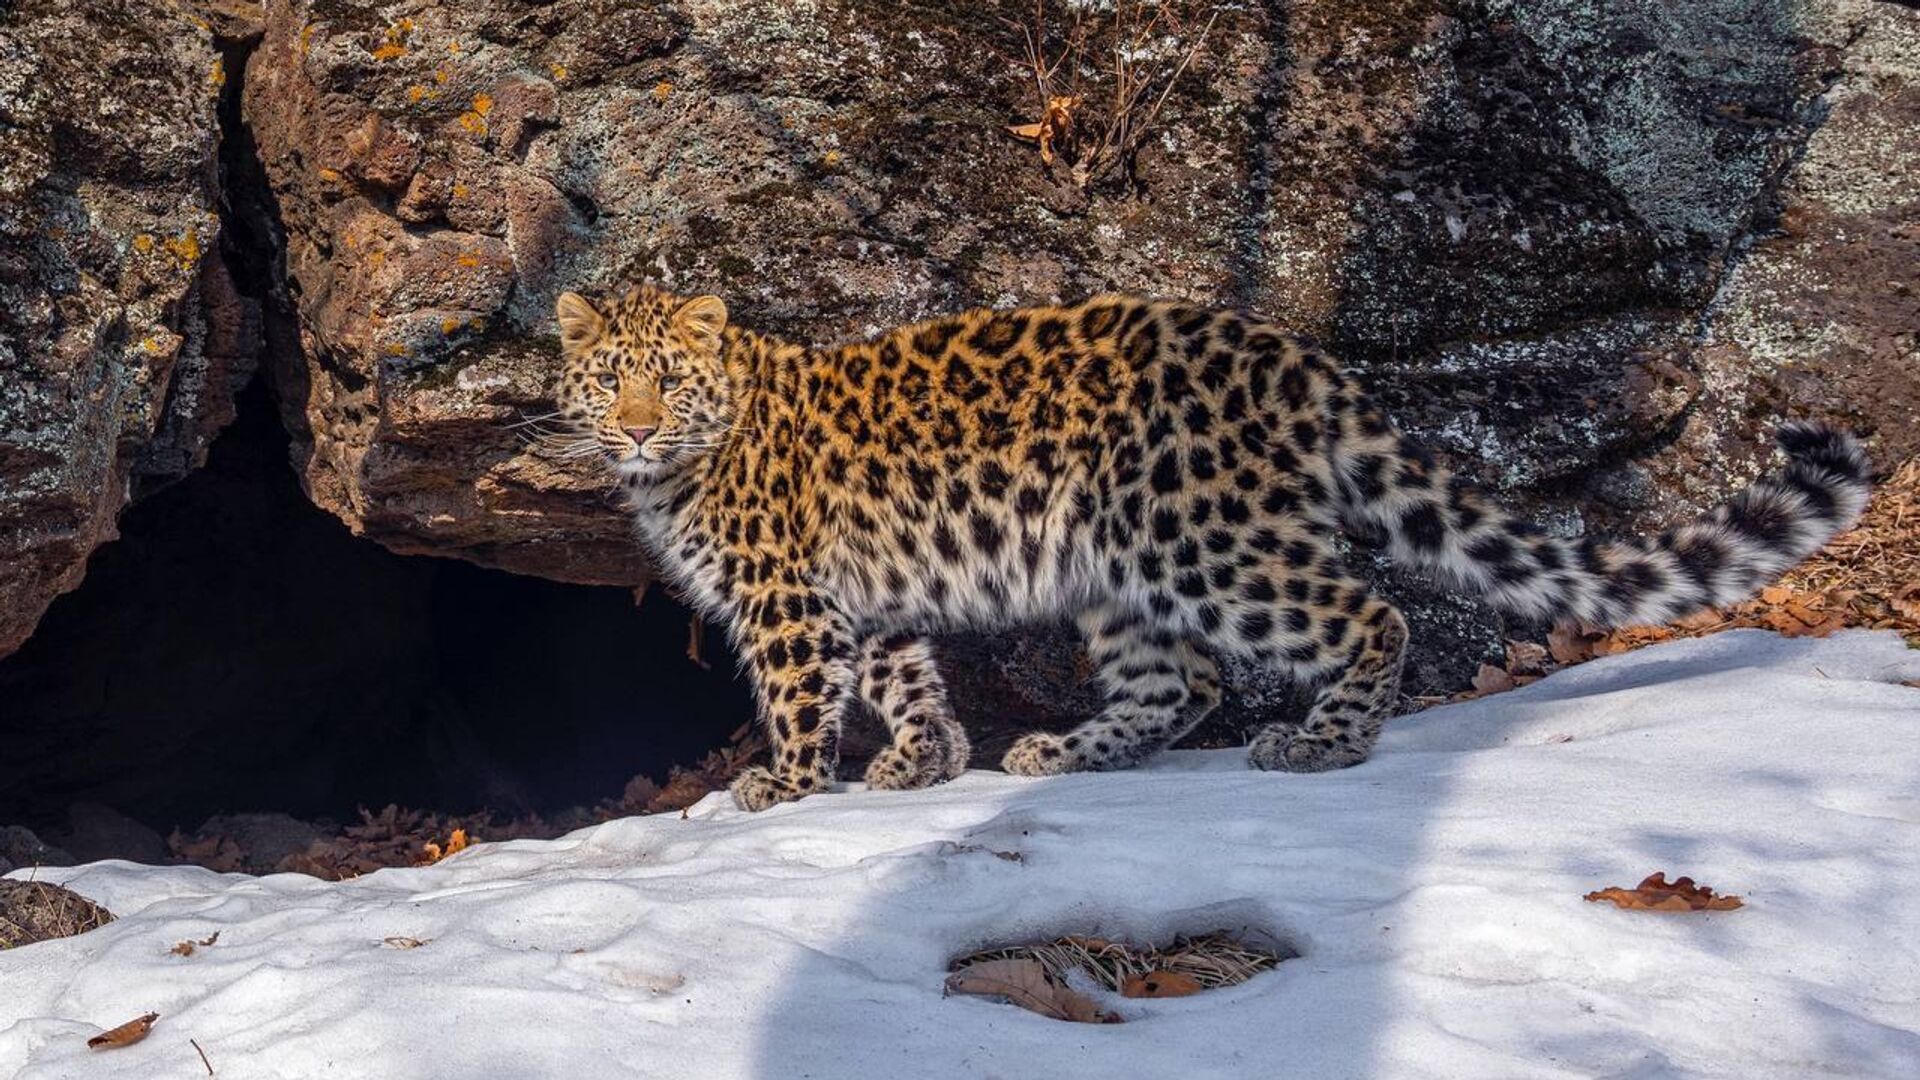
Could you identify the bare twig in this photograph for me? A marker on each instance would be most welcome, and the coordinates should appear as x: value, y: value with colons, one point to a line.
x: 203, y: 1056
x: 1137, y: 90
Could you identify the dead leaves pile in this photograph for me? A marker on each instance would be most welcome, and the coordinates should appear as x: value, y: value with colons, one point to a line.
x: 1655, y: 893
x: 398, y: 836
x: 33, y: 911
x: 1188, y: 966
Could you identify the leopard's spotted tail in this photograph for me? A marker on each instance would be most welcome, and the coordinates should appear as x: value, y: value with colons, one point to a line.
x: 1719, y: 558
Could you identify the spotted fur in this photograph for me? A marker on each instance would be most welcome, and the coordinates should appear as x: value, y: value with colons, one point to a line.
x: 1170, y: 477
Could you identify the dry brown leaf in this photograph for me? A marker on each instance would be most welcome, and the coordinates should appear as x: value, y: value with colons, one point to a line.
x: 1052, y: 128
x: 404, y: 942
x: 1907, y: 601
x: 185, y: 948
x: 433, y: 852
x: 1569, y: 645
x: 126, y: 1034
x: 1025, y: 983
x: 1491, y: 680
x: 1704, y: 619
x: 1160, y: 984
x: 1775, y: 594
x: 1526, y: 657
x: 1655, y: 893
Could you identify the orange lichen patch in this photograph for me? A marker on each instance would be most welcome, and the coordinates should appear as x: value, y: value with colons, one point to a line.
x: 186, y: 247
x: 559, y: 72
x: 831, y: 158
x: 453, y: 46
x: 459, y: 191
x: 394, y: 348
x: 482, y: 104
x: 661, y: 89
x: 217, y: 78
x: 394, y: 41
x: 143, y: 243
x: 331, y: 176
x: 449, y: 326
x: 306, y: 38
x: 441, y: 74
x: 477, y: 324
x: 467, y: 259
x: 415, y: 93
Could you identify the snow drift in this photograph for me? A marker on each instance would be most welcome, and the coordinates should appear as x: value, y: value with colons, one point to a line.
x: 1434, y: 894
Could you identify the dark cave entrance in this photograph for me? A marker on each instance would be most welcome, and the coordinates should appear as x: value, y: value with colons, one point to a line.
x: 237, y: 650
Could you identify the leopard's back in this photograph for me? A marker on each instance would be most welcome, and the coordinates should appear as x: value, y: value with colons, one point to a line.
x: 999, y: 466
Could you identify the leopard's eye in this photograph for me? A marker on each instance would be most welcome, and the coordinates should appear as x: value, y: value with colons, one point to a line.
x: 609, y: 380
x: 668, y: 382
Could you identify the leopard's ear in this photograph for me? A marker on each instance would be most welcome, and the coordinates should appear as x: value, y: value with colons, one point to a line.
x: 703, y: 316
x: 581, y: 324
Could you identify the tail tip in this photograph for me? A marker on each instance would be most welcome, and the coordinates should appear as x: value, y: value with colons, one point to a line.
x: 1825, y: 446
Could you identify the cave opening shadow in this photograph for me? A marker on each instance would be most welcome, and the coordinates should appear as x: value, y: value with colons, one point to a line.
x: 237, y: 649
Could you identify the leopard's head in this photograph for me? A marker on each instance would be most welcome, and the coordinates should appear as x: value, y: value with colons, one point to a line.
x: 644, y: 377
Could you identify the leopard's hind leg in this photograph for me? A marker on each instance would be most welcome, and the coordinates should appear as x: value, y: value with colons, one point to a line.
x: 899, y: 681
x: 1325, y: 628
x: 1158, y: 687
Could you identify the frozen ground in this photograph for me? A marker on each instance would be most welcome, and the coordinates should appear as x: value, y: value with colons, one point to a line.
x: 1435, y: 893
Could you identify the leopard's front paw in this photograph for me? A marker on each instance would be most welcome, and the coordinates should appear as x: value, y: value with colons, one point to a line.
x: 1285, y: 749
x: 933, y: 755
x: 758, y: 788
x: 893, y: 769
x: 1040, y: 754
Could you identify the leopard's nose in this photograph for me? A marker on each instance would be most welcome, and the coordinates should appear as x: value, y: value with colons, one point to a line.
x: 639, y: 435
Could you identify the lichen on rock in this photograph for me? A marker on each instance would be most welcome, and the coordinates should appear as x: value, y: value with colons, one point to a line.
x: 122, y: 337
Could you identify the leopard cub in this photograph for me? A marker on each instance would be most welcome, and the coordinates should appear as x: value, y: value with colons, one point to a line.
x: 1169, y: 477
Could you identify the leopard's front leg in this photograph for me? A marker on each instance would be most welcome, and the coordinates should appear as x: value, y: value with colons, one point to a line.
x: 799, y: 652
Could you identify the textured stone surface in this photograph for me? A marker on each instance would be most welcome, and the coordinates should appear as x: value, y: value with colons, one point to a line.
x: 1517, y: 216
x: 121, y: 333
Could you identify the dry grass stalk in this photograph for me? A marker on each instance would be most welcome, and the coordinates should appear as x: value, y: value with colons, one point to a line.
x: 1101, y: 80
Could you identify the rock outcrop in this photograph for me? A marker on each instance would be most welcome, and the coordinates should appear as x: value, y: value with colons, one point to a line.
x: 122, y: 335
x: 1513, y: 215
x: 1517, y: 216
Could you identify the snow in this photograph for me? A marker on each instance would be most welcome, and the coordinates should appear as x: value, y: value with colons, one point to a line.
x: 1434, y: 892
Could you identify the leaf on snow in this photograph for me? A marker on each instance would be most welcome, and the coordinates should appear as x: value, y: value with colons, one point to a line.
x: 1656, y: 894
x: 185, y: 948
x: 1160, y: 984
x: 1025, y: 983
x: 126, y: 1034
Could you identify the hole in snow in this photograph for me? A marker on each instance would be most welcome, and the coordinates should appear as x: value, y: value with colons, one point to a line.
x: 1188, y: 964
